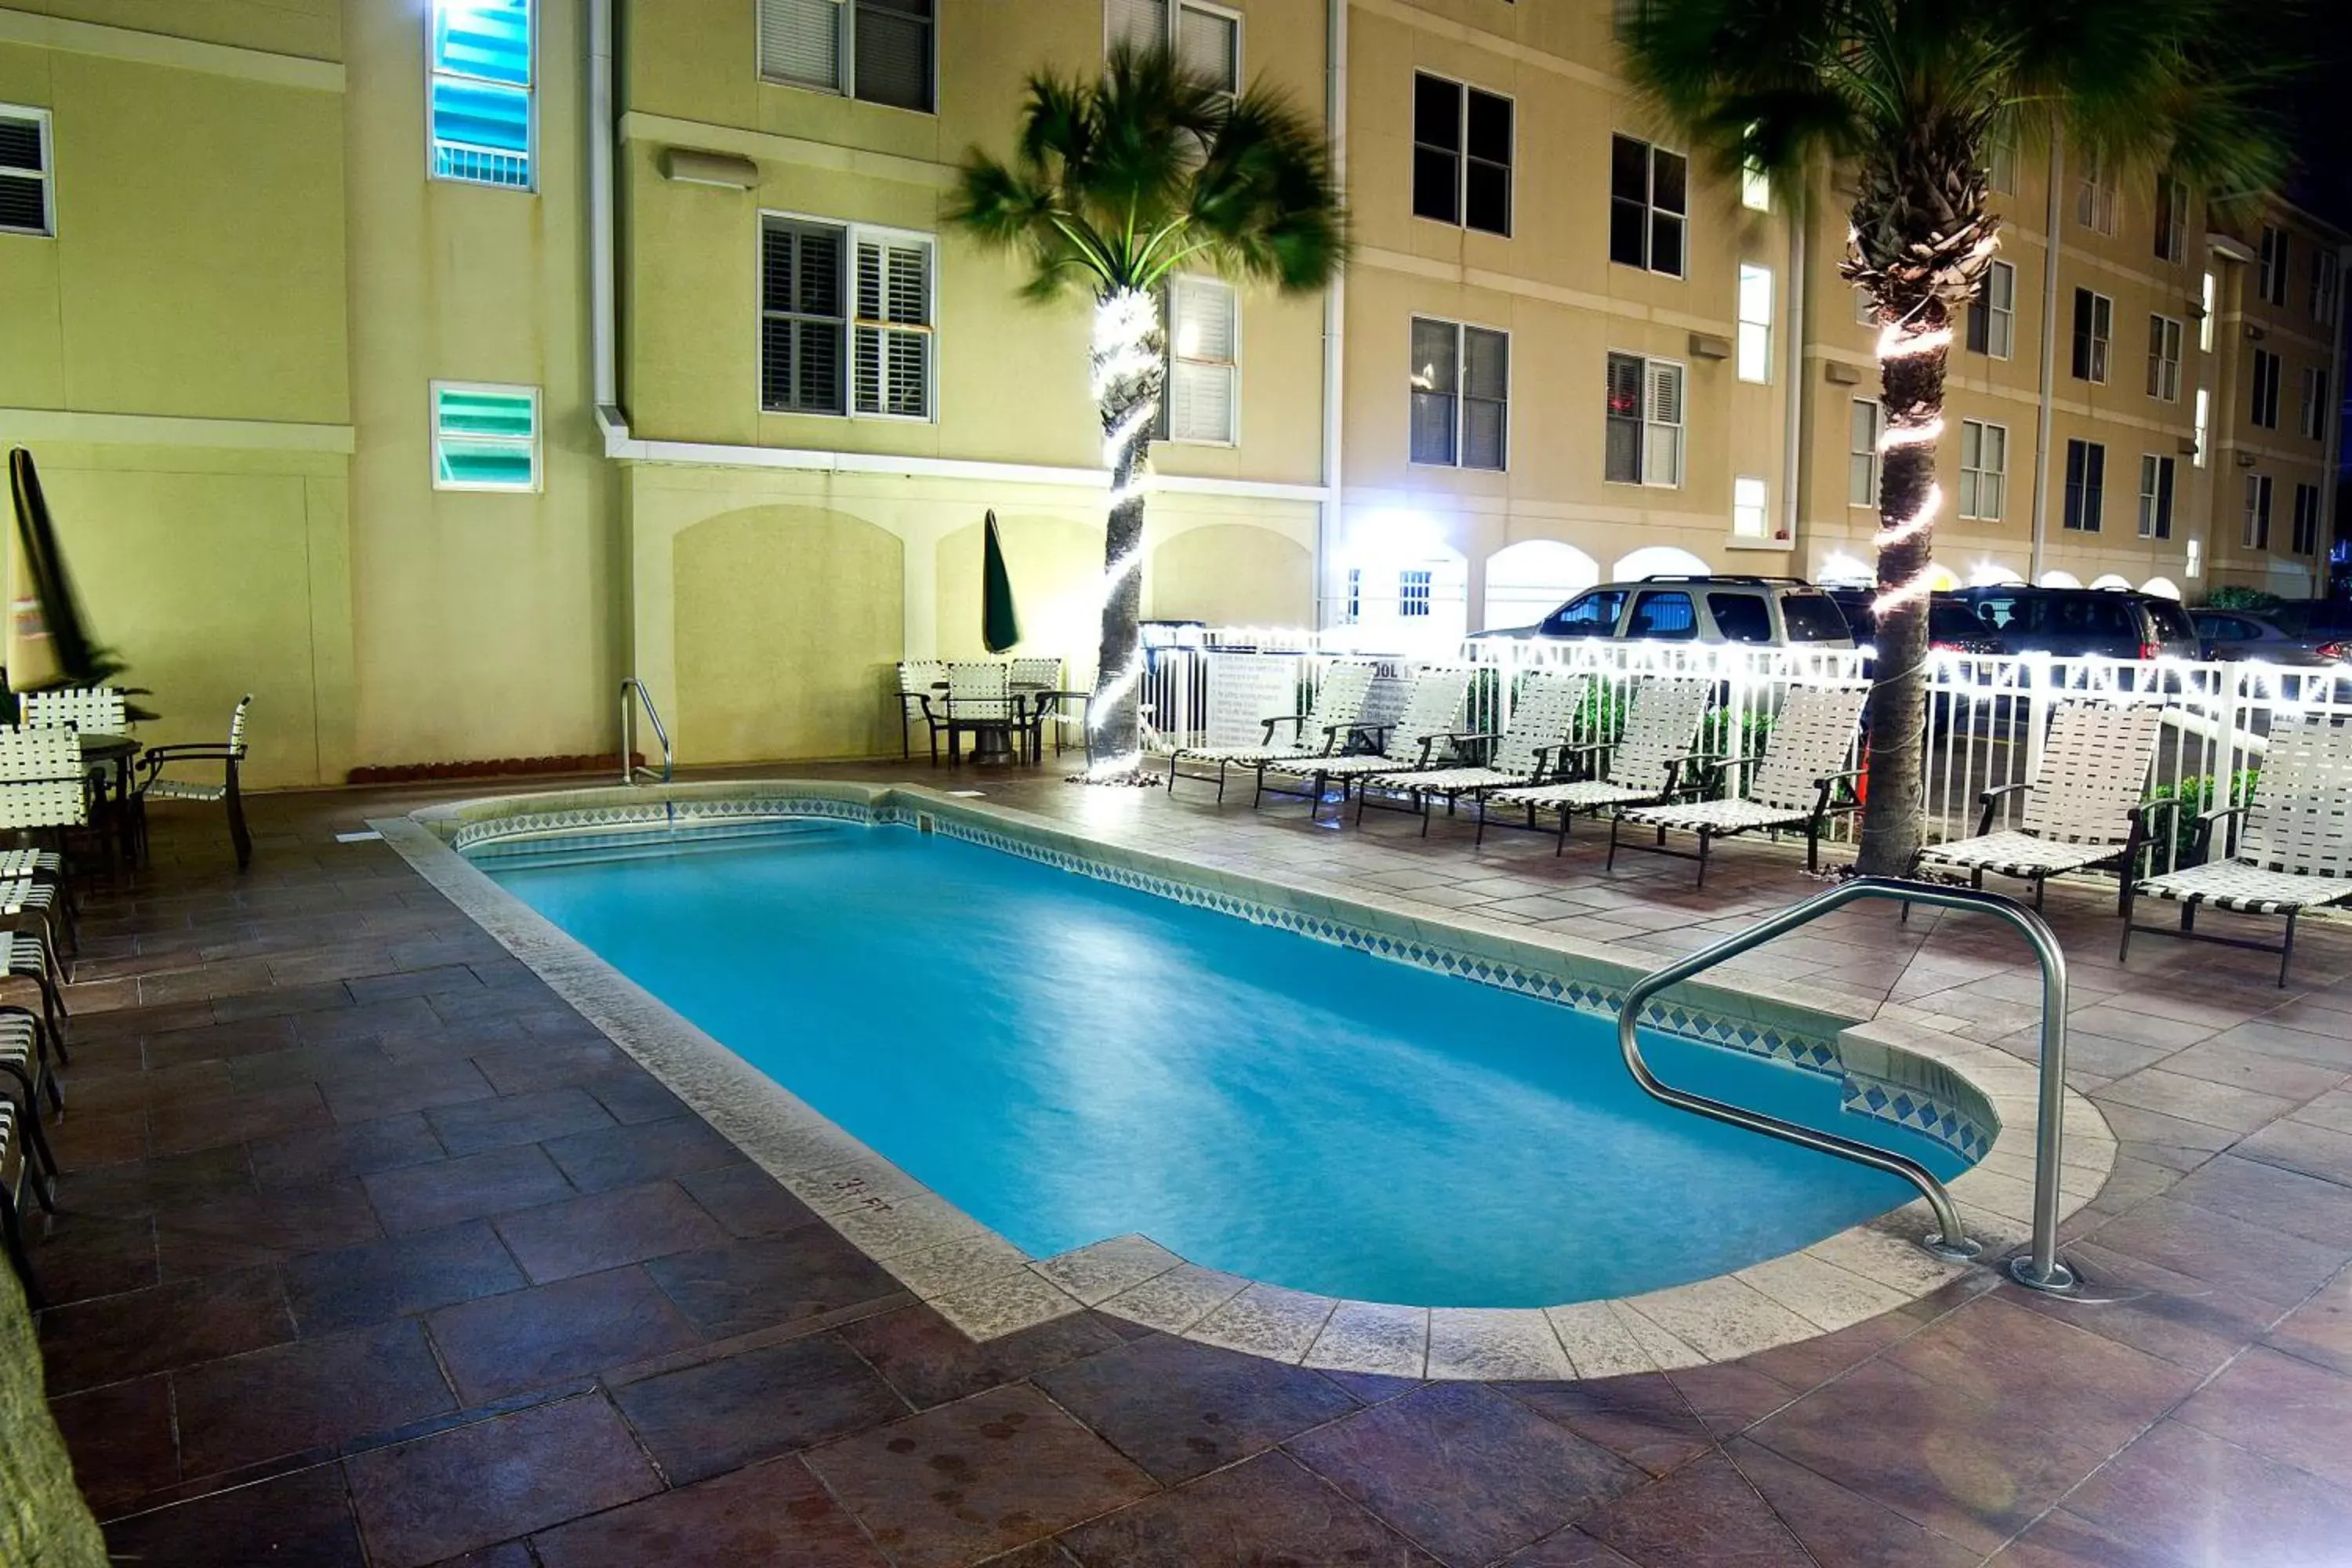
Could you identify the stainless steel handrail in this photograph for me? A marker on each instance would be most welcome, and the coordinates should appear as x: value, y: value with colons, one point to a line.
x: 2040, y: 1270
x: 629, y: 769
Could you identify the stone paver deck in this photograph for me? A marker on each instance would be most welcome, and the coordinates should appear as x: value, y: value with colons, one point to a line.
x: 374, y: 1252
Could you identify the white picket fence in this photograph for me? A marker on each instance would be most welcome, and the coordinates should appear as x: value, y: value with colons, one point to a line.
x: 1985, y: 723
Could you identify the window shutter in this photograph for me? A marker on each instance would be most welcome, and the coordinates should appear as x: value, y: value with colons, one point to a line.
x: 800, y: 43
x: 1662, y: 447
x: 894, y: 53
x: 1209, y: 46
x: 1140, y: 22
x: 892, y: 368
x: 24, y: 176
x: 1201, y: 336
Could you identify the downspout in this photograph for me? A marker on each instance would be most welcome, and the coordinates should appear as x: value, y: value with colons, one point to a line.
x: 1792, y: 446
x: 603, y: 316
x: 1328, y: 515
x: 2045, y: 413
x: 2330, y: 481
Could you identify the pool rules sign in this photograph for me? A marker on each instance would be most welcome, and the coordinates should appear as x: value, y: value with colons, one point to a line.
x: 1246, y: 689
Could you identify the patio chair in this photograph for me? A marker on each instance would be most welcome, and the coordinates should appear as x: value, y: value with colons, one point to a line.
x: 921, y: 682
x: 979, y: 704
x: 42, y: 790
x: 1432, y: 703
x: 13, y: 1170
x: 1339, y: 703
x: 1038, y: 682
x: 1795, y: 785
x: 93, y: 709
x: 26, y: 1074
x: 2292, y: 853
x: 2082, y: 806
x: 1646, y: 761
x: 231, y: 757
x: 1528, y: 751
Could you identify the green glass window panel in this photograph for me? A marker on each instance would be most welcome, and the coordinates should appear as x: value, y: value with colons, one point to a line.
x: 498, y: 465
x: 462, y: 412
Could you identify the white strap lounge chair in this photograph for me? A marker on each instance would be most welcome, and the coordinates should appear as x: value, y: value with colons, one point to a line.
x: 2082, y: 806
x: 13, y: 1168
x: 922, y: 682
x: 93, y: 709
x: 1432, y: 704
x: 2294, y: 852
x: 1322, y: 731
x: 1796, y: 784
x: 224, y: 792
x: 1528, y: 750
x: 1647, y: 762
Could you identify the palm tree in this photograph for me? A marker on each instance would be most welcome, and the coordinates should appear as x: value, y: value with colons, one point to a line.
x: 1911, y: 94
x: 1114, y: 184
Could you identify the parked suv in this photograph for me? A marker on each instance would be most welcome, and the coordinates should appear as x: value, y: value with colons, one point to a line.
x: 1953, y: 626
x: 2110, y: 623
x: 1771, y: 612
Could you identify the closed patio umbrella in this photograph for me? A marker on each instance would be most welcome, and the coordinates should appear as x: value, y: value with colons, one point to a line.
x: 999, y: 624
x: 49, y: 642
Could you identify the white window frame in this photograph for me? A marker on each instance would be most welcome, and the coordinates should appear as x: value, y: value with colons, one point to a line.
x: 2271, y: 266
x: 1651, y: 430
x: 1462, y: 159
x: 1650, y: 209
x: 536, y: 445
x: 2263, y: 369
x: 2307, y: 520
x: 2095, y: 198
x: 530, y: 98
x: 1751, y: 506
x: 2164, y: 340
x: 39, y: 120
x: 2202, y: 427
x: 1999, y: 319
x: 1754, y: 343
x: 2326, y: 284
x: 2160, y: 481
x: 2000, y: 163
x: 851, y: 235
x: 1863, y: 462
x: 2206, y: 302
x: 1462, y: 329
x: 2256, y: 532
x: 1176, y: 9
x: 1177, y: 284
x: 1989, y: 479
x: 2171, y: 218
x: 2312, y: 417
x: 844, y: 84
x: 2100, y: 359
x: 2090, y: 518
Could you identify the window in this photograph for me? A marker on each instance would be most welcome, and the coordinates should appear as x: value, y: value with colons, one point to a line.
x: 2205, y: 317
x: 2001, y: 161
x: 2257, y: 534
x: 1203, y: 363
x: 1592, y: 613
x: 877, y: 50
x: 1755, y: 323
x: 2095, y: 197
x: 1205, y: 39
x: 818, y: 357
x: 1461, y: 394
x: 2326, y: 281
x: 2171, y: 218
x: 480, y: 93
x: 1741, y: 617
x: 2156, y: 475
x: 1461, y: 156
x: 2313, y: 419
x: 1865, y: 313
x: 2307, y: 520
x: 2204, y: 422
x: 1868, y: 419
x: 1984, y: 468
x: 1663, y: 614
x: 1749, y: 506
x: 2086, y: 485
x: 1412, y: 592
x: 1993, y: 318
x: 1755, y: 186
x: 1627, y: 14
x: 2264, y: 378
x: 2164, y: 358
x: 2270, y: 276
x: 26, y: 206
x: 2093, y: 321
x: 1642, y: 441
x: 485, y: 437
x: 1648, y: 198
x: 1355, y: 610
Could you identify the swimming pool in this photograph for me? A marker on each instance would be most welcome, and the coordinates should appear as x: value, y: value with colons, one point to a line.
x: 1067, y: 1060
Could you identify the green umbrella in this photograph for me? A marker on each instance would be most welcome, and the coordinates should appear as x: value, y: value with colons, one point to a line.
x: 1000, y: 623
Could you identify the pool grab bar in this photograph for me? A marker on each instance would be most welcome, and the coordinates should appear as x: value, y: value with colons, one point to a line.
x: 2038, y: 1270
x: 629, y: 769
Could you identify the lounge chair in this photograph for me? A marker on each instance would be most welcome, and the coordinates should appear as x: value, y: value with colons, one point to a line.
x: 2082, y: 806
x: 921, y: 682
x: 2294, y: 852
x: 1795, y: 785
x: 1322, y: 731
x: 15, y: 1166
x: 1432, y: 702
x: 1646, y: 761
x: 1528, y: 750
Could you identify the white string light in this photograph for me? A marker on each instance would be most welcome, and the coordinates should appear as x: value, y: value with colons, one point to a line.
x: 1123, y: 369
x: 1924, y: 433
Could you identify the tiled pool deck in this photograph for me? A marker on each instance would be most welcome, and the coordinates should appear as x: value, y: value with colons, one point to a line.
x: 374, y: 1251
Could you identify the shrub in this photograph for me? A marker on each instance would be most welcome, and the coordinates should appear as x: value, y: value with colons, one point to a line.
x: 2254, y: 601
x: 2195, y: 794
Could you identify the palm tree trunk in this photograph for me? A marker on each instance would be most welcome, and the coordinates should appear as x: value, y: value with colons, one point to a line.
x: 1911, y: 383
x: 1128, y: 377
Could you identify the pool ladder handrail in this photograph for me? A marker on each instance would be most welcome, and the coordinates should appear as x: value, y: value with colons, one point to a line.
x: 629, y: 769
x: 2040, y: 1268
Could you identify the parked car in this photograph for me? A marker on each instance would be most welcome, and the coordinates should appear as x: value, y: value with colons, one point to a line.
x: 1771, y: 612
x: 2241, y: 634
x: 1952, y: 625
x: 2110, y: 623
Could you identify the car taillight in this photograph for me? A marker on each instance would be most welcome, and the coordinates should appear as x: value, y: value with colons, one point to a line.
x: 2336, y: 650
x: 2150, y: 649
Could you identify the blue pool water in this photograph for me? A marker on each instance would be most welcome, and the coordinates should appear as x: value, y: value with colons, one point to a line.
x: 1068, y: 1060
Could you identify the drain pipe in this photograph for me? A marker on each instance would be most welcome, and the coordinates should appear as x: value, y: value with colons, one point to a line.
x: 1328, y: 515
x: 1793, y: 447
x: 2047, y: 411
x: 604, y: 378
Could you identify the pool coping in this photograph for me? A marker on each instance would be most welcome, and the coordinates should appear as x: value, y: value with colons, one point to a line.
x: 1909, y: 1068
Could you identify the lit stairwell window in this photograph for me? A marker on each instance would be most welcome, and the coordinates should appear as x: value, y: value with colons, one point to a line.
x: 480, y: 90
x: 485, y: 437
